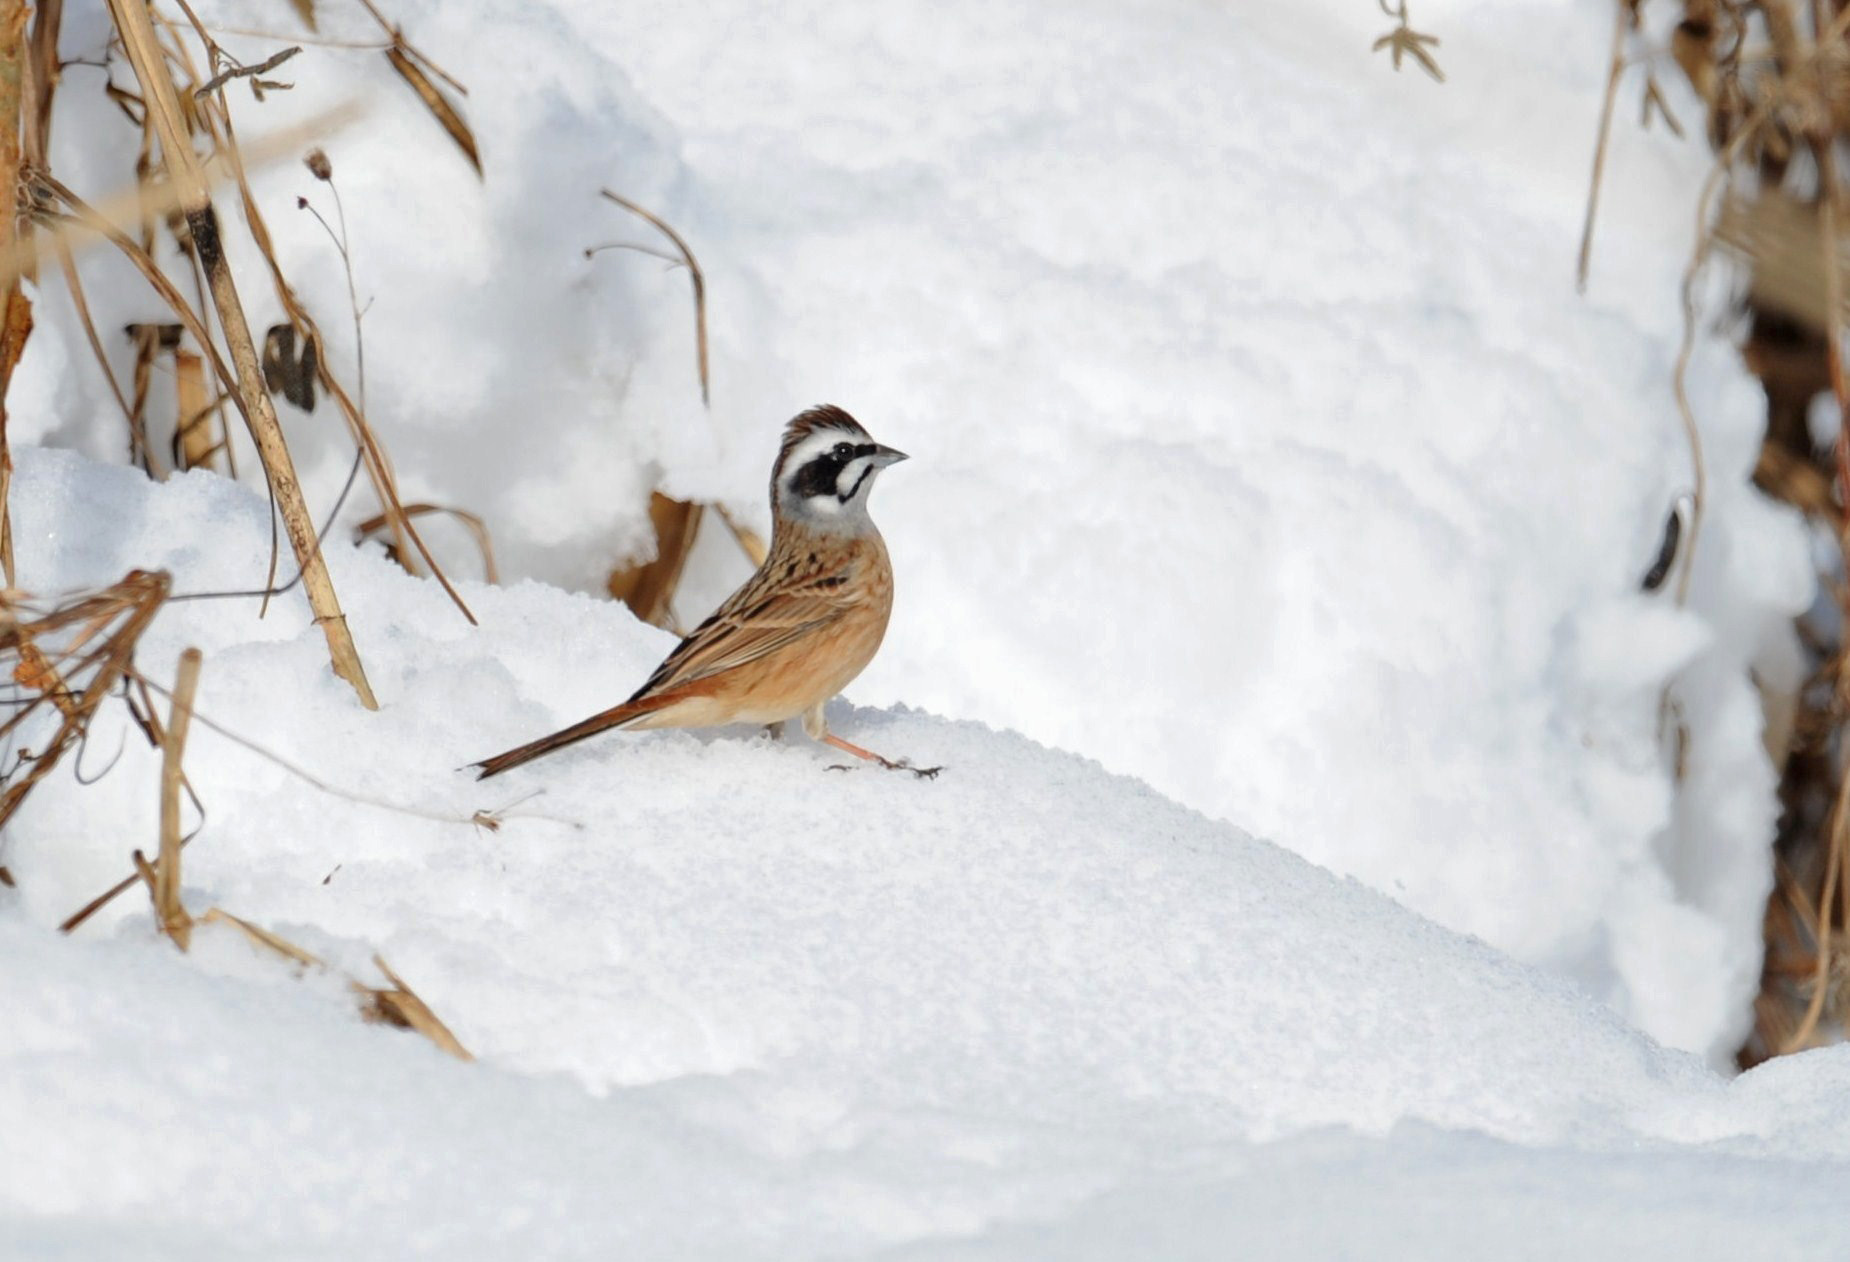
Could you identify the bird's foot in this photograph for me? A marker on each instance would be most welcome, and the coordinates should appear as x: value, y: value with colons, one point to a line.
x: 904, y: 764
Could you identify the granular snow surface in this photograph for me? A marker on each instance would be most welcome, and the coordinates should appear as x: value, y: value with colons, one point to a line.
x: 731, y: 1002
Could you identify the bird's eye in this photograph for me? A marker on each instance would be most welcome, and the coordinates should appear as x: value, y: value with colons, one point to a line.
x: 844, y: 450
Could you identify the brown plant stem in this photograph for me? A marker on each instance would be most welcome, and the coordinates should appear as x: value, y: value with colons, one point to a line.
x: 184, y: 169
x: 1615, y: 68
x: 15, y: 310
x: 174, y: 920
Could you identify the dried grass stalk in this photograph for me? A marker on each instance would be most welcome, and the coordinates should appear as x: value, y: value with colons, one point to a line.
x: 439, y: 105
x: 399, y: 1005
x: 40, y: 79
x: 262, y: 937
x: 395, y: 1005
x: 477, y: 528
x: 693, y: 270
x: 302, y: 327
x: 137, y: 31
x: 167, y: 906
x: 15, y: 310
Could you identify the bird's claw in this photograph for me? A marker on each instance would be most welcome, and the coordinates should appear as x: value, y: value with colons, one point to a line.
x: 887, y: 764
x: 905, y: 764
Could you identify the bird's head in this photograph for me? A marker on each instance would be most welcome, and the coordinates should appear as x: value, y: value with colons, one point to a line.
x: 826, y: 470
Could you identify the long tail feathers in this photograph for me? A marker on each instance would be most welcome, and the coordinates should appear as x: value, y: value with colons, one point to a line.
x: 618, y: 716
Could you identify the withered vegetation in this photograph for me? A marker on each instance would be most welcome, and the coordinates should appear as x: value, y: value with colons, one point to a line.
x: 69, y: 659
x: 199, y: 376
x: 648, y: 586
x: 1404, y: 41
x: 1773, y: 80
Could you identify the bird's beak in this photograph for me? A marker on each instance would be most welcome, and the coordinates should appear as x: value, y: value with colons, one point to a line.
x: 884, y: 456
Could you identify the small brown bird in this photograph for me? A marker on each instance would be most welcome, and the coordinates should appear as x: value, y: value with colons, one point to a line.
x: 800, y: 629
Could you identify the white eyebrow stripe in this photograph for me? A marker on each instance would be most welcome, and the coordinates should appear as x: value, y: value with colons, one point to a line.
x: 815, y: 445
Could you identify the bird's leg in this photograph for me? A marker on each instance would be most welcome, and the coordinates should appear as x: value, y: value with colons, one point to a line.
x: 923, y: 773
x: 817, y: 728
x: 775, y: 730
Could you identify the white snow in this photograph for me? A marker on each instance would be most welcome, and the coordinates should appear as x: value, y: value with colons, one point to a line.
x: 1262, y: 450
x: 732, y: 1003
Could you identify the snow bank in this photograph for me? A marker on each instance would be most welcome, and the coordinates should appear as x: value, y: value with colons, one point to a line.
x: 1263, y: 448
x: 732, y: 1003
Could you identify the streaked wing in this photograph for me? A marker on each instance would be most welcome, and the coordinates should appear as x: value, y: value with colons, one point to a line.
x: 758, y: 619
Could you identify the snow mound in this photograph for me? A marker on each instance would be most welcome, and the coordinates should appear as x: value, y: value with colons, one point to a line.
x: 729, y: 1002
x: 1264, y: 448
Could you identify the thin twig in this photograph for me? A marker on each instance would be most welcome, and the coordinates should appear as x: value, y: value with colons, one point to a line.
x: 693, y: 270
x: 223, y: 77
x: 1615, y: 68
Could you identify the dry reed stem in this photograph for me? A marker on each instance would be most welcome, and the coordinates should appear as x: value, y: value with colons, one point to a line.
x: 42, y: 73
x: 411, y: 63
x: 1615, y: 68
x: 398, y: 1005
x: 86, y: 216
x: 15, y: 310
x: 262, y: 937
x: 477, y: 528
x: 378, y: 464
x: 376, y: 458
x: 397, y: 36
x: 439, y: 105
x: 89, y: 909
x: 158, y: 198
x: 649, y: 589
x: 183, y: 166
x: 693, y: 270
x: 167, y: 905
